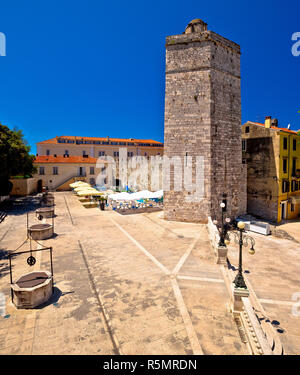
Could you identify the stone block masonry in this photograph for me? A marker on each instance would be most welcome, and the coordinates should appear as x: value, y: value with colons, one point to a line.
x: 203, y: 118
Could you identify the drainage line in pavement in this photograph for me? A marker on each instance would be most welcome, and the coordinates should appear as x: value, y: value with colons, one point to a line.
x: 68, y: 211
x: 105, y: 315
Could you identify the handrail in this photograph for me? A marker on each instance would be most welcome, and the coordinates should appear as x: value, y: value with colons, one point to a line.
x: 67, y: 179
x: 258, y: 337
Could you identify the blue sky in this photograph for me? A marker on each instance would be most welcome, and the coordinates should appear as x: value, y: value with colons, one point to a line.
x: 96, y: 68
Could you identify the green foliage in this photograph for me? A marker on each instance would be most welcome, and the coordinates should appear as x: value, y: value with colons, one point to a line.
x: 14, y: 157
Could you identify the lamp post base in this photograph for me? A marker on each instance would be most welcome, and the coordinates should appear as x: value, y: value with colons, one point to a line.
x: 237, y: 295
x: 222, y: 254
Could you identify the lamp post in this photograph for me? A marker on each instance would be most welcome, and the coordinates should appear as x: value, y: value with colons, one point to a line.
x: 243, y: 240
x: 224, y: 227
x: 240, y: 238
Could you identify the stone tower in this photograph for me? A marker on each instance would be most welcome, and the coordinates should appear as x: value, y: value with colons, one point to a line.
x: 203, y: 118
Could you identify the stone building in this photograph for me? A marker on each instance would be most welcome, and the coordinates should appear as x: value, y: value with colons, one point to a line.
x: 63, y: 158
x: 203, y: 118
x: 272, y: 154
x: 98, y: 146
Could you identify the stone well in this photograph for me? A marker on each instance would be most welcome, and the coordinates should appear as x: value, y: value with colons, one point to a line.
x: 45, y: 212
x: 32, y: 289
x: 40, y: 231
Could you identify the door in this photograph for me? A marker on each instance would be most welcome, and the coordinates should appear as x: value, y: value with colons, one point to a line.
x: 81, y: 171
x: 39, y: 186
x: 283, y: 210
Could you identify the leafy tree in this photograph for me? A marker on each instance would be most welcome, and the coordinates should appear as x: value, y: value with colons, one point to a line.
x: 14, y: 158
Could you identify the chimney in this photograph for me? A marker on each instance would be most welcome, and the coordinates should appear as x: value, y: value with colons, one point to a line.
x: 268, y: 122
x: 275, y: 122
x: 107, y: 139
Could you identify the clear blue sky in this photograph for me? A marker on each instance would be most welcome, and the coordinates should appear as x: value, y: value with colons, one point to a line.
x: 96, y: 68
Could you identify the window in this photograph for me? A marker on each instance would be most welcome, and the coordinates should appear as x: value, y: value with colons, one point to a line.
x: 41, y: 170
x: 247, y: 129
x: 294, y: 144
x: 48, y: 152
x: 284, y: 165
x: 83, y: 153
x: 294, y: 167
x: 130, y: 154
x: 92, y: 170
x: 55, y: 170
x: 285, y: 186
x: 285, y: 143
x: 244, y: 145
x: 101, y: 153
x: 292, y: 207
x: 294, y: 185
x: 66, y: 152
x: 92, y: 181
x: 145, y: 153
x: 116, y: 154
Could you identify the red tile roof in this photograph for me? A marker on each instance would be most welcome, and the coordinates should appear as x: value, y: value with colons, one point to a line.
x: 273, y: 127
x: 61, y: 159
x: 74, y: 138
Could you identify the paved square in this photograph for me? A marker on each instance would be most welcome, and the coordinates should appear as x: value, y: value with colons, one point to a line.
x: 138, y: 284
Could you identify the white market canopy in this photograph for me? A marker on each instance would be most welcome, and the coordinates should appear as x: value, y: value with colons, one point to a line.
x: 79, y: 183
x: 120, y: 196
x: 89, y: 192
x: 83, y: 188
x: 144, y: 194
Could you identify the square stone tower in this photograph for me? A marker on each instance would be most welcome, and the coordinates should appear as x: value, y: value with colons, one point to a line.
x: 203, y: 119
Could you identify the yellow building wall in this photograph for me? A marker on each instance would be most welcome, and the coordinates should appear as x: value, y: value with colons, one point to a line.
x: 288, y: 154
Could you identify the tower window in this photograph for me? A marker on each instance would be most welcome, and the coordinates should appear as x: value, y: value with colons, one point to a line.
x: 285, y: 143
x: 247, y: 129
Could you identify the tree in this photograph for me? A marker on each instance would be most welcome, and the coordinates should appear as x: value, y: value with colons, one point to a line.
x: 14, y: 158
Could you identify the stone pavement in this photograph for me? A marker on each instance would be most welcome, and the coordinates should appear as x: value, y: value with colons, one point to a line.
x: 132, y: 284
x: 292, y: 227
x: 273, y: 273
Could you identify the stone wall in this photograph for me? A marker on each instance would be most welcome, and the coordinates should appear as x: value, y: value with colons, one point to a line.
x: 262, y: 150
x: 202, y: 118
x: 23, y: 186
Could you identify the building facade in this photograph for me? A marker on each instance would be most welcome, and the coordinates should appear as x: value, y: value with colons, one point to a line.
x: 61, y: 159
x: 203, y: 119
x: 96, y: 147
x: 57, y: 172
x: 272, y: 155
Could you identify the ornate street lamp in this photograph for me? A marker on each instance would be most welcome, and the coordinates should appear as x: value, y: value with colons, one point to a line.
x: 240, y: 238
x: 225, y: 227
x: 243, y: 240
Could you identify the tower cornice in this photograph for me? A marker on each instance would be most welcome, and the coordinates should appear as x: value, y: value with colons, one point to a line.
x: 204, y: 36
